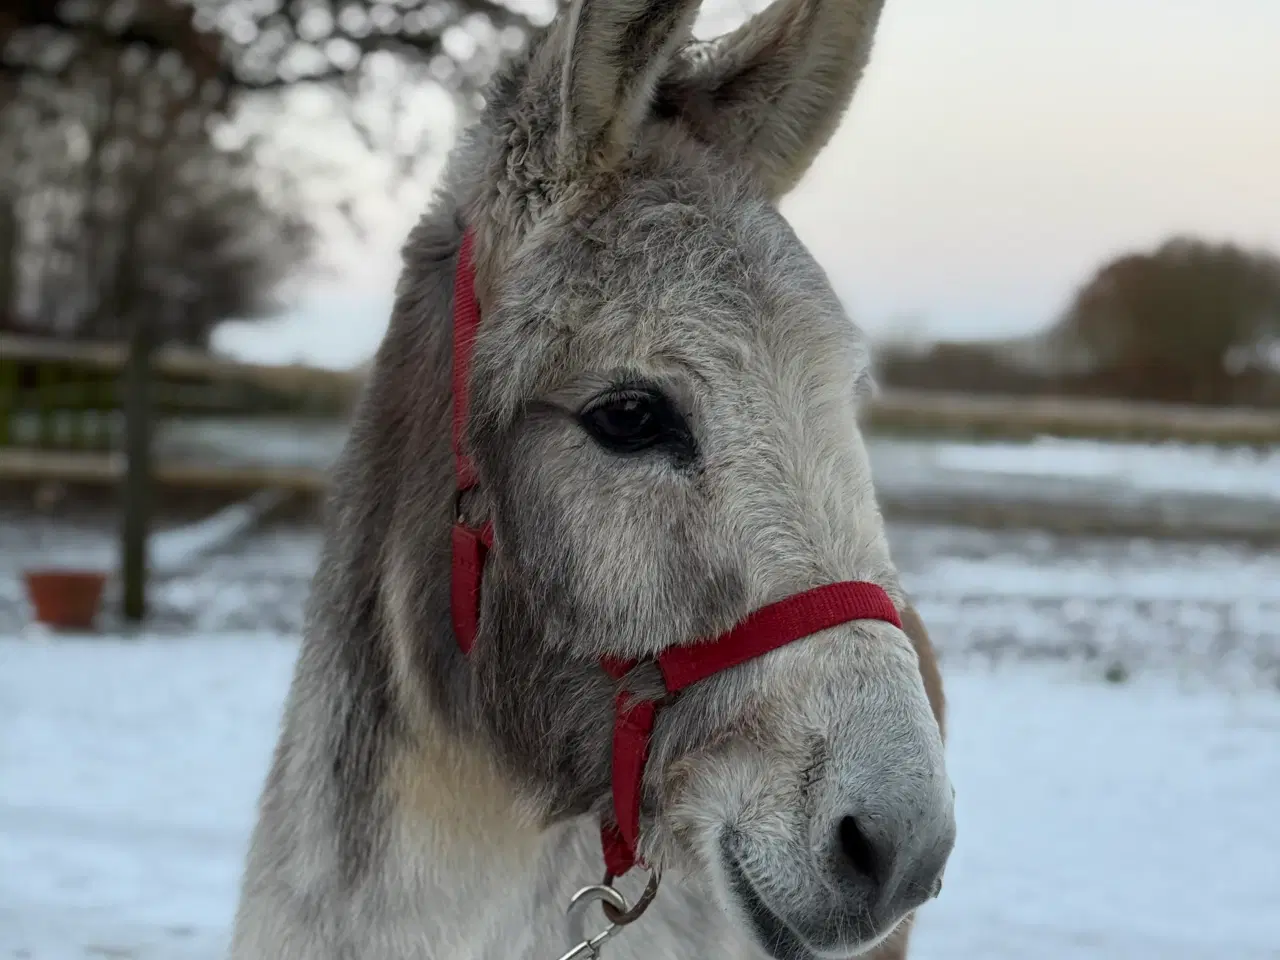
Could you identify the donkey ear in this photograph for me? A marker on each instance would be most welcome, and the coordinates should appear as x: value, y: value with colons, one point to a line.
x: 771, y: 93
x: 616, y: 51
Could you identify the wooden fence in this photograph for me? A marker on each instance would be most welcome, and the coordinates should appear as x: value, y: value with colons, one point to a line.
x: 60, y: 415
x: 67, y: 397
x: 972, y: 417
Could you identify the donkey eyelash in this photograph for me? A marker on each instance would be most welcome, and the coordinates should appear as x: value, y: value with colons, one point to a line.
x: 621, y: 394
x: 634, y: 419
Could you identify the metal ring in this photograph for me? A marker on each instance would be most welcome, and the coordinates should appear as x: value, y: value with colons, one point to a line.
x: 621, y: 915
x: 610, y: 899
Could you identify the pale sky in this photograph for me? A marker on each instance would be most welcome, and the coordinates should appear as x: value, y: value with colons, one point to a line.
x: 997, y: 151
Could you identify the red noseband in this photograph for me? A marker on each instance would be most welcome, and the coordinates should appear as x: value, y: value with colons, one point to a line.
x: 768, y: 628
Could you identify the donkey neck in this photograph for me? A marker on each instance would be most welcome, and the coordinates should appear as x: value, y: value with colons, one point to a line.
x: 490, y: 878
x: 466, y: 841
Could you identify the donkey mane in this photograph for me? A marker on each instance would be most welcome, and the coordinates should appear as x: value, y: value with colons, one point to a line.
x: 421, y: 805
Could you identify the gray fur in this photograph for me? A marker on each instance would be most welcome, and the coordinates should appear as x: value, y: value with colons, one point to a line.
x: 422, y: 805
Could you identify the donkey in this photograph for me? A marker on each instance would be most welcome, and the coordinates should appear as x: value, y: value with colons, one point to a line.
x: 654, y: 400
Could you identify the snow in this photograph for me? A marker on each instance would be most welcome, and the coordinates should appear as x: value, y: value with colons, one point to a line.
x: 130, y: 770
x: 1162, y: 468
x: 1097, y: 821
x: 1194, y: 612
x: 178, y: 549
x: 1130, y: 820
x: 1060, y: 471
x: 1191, y: 612
x: 173, y: 550
x: 1120, y: 821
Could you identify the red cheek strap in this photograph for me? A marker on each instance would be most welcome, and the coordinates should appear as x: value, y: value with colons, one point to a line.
x: 632, y: 726
x: 767, y: 629
x: 776, y: 625
x: 470, y: 547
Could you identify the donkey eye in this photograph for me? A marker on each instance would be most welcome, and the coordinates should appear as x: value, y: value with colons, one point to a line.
x: 632, y: 421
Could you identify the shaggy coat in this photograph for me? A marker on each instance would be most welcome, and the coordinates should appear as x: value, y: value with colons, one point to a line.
x: 664, y: 398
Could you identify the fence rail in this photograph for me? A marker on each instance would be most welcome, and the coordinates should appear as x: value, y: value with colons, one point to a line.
x: 107, y: 469
x: 1017, y: 418
x: 65, y: 398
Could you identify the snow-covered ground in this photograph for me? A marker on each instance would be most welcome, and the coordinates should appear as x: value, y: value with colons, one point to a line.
x: 1173, y: 489
x: 1172, y: 468
x: 1115, y: 743
x: 1188, y: 610
x: 1097, y: 821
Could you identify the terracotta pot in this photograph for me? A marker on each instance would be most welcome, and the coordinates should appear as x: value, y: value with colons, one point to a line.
x: 65, y: 599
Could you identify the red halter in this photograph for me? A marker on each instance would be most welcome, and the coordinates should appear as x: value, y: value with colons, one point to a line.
x: 768, y: 628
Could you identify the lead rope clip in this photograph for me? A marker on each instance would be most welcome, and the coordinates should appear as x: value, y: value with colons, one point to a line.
x: 616, y: 910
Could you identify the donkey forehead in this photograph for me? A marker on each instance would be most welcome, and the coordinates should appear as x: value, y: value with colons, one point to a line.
x: 712, y: 287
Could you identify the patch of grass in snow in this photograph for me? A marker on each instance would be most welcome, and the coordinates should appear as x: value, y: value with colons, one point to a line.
x: 1116, y: 672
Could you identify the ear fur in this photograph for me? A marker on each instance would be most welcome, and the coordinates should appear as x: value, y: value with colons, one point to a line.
x: 616, y: 50
x: 772, y: 93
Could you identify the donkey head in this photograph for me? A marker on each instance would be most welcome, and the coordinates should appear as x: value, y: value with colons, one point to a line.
x: 664, y: 391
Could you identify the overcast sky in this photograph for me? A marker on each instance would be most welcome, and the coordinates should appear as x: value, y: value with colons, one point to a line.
x: 997, y: 151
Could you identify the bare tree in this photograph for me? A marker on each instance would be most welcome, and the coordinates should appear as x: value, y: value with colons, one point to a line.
x: 265, y: 44
x: 118, y: 192
x: 376, y: 53
x: 119, y: 205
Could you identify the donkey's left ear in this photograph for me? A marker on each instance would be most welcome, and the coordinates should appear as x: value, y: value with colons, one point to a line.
x: 771, y: 93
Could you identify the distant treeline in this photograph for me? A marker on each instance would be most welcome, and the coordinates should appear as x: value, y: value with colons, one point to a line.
x: 1190, y: 322
x: 982, y: 368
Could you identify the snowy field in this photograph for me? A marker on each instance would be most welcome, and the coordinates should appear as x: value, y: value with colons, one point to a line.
x: 1108, y: 822
x: 1171, y: 467
x: 1192, y: 611
x: 1115, y: 744
x: 1066, y: 469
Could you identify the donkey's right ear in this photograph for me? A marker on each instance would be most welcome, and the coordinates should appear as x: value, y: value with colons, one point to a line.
x: 615, y: 51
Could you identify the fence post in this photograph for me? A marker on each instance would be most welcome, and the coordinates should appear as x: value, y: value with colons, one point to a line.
x: 8, y: 400
x: 136, y: 492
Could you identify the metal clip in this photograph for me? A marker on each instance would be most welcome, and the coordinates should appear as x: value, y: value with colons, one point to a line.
x: 588, y: 948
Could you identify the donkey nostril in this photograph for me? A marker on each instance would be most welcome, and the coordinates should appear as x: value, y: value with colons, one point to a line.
x: 858, y: 851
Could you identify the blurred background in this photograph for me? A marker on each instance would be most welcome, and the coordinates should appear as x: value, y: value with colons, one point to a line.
x: 1059, y: 222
